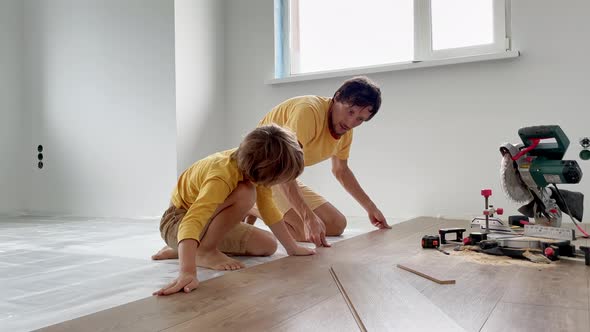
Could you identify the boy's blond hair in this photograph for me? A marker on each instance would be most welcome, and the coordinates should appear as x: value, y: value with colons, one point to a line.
x: 270, y: 155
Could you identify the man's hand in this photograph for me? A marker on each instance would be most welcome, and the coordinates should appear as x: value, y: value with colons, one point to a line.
x: 185, y: 282
x: 315, y: 231
x: 301, y: 251
x: 377, y: 219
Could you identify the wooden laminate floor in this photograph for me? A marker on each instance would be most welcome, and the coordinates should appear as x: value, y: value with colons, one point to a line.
x: 299, y: 293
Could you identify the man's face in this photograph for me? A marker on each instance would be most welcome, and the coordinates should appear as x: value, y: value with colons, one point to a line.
x: 346, y: 116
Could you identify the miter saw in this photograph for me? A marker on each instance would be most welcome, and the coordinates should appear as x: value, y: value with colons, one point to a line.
x: 531, y: 170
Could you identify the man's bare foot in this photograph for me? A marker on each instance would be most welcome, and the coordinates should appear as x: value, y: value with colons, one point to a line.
x: 250, y: 219
x: 216, y: 260
x: 166, y: 253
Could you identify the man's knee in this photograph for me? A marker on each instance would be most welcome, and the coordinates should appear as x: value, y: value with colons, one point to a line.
x: 261, y: 243
x: 336, y: 224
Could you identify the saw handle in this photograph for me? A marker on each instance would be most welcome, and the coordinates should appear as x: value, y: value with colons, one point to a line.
x: 550, y: 150
x: 534, y: 144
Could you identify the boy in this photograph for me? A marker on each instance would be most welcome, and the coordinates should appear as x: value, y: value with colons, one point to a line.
x: 214, y: 195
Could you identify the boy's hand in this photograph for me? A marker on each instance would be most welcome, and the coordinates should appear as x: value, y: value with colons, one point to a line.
x: 185, y: 282
x: 301, y: 251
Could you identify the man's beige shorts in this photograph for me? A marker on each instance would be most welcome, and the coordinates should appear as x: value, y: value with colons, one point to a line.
x: 313, y: 200
x: 234, y: 241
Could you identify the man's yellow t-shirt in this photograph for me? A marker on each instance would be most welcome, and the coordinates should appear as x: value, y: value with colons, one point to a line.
x: 205, y: 185
x: 308, y: 117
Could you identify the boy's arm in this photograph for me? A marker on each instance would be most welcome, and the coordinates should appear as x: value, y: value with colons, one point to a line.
x: 187, y: 277
x: 347, y: 179
x: 282, y: 234
x: 213, y: 192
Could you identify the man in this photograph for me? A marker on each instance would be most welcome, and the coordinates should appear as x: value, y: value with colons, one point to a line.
x: 324, y: 128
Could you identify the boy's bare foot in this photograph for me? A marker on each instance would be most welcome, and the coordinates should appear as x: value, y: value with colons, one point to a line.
x: 216, y: 260
x: 165, y: 253
x: 250, y: 219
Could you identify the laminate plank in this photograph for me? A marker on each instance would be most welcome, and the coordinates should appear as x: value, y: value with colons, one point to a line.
x: 329, y: 315
x: 263, y: 310
x: 565, y: 285
x: 346, y: 298
x: 527, y: 317
x: 477, y: 290
x: 158, y: 313
x: 385, y: 302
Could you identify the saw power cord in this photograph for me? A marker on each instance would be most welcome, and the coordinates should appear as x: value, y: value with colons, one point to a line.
x: 569, y: 212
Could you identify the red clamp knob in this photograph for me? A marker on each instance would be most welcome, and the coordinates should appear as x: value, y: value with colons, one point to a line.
x: 486, y: 192
x: 549, y: 252
x: 500, y: 211
x: 486, y: 213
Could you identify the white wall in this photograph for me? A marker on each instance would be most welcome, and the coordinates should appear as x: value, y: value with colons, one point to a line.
x: 13, y: 132
x: 434, y: 144
x: 200, y: 105
x: 100, y: 87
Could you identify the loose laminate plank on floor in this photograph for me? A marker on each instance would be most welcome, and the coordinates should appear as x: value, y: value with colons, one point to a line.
x: 563, y: 285
x: 385, y: 302
x: 527, y: 317
x: 478, y: 289
x: 329, y: 315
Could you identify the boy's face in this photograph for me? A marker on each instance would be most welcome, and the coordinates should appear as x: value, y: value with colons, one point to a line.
x: 345, y: 116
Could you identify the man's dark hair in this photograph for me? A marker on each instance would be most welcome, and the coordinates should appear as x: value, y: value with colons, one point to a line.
x: 360, y: 91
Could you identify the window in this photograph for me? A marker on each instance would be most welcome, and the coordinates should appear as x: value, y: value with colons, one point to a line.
x: 327, y: 35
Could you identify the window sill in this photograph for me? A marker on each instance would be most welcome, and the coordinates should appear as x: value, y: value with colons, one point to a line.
x: 393, y: 67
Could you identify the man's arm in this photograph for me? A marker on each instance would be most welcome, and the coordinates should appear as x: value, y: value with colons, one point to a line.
x: 282, y: 234
x: 316, y: 227
x: 347, y: 179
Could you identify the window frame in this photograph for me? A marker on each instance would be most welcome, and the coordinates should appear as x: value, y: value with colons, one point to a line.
x: 423, y: 52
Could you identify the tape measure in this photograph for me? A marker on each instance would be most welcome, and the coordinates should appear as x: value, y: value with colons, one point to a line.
x: 430, y: 241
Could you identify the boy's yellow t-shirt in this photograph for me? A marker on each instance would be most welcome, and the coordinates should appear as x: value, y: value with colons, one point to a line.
x: 205, y: 185
x: 308, y: 117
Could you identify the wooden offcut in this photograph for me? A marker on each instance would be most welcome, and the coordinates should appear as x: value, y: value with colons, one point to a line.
x: 424, y: 275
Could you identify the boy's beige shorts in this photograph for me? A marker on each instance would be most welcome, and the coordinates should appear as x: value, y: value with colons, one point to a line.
x: 234, y: 241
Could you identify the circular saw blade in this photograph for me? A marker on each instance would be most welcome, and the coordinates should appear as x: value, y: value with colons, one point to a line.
x: 512, y: 183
